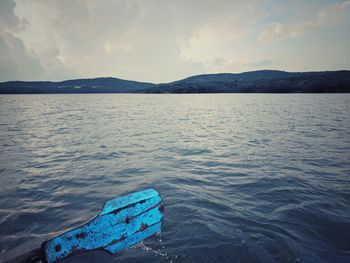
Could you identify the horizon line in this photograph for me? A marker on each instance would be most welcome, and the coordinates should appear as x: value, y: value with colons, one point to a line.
x: 204, y: 74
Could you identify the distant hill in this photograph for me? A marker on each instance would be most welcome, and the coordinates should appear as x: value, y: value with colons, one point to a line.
x: 262, y: 81
x: 227, y: 77
x: 96, y: 85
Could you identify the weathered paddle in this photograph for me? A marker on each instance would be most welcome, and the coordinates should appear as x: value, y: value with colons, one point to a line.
x: 122, y: 222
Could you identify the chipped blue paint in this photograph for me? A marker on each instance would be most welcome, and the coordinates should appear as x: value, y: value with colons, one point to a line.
x: 122, y: 223
x: 134, y: 239
x: 123, y: 201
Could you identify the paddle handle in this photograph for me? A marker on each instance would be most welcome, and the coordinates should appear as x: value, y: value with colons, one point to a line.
x: 29, y: 257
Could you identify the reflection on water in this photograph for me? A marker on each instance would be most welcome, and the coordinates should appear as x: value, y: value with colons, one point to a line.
x: 244, y: 178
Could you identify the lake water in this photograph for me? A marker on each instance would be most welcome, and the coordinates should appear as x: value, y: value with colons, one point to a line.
x: 244, y: 177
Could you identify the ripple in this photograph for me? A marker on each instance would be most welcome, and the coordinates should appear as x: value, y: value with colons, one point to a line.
x: 241, y: 182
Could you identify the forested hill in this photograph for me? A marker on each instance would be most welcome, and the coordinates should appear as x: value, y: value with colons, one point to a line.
x: 263, y: 81
x: 96, y: 85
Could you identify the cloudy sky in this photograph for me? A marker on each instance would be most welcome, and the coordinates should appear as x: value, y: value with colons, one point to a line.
x: 166, y: 40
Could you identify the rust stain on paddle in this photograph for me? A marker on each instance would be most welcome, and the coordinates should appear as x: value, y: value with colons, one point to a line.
x: 117, y: 240
x: 143, y: 227
x: 81, y: 235
x: 162, y: 209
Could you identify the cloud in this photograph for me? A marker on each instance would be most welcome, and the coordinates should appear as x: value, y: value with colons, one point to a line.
x: 159, y: 40
x: 220, y: 64
x: 127, y: 39
x: 15, y: 61
x: 325, y: 16
x: 221, y: 28
x: 144, y: 40
x: 8, y: 20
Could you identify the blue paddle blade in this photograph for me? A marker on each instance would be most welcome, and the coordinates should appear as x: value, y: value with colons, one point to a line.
x: 122, y: 222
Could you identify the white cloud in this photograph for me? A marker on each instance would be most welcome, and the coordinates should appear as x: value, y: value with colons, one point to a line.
x: 224, y: 27
x: 8, y: 20
x: 154, y: 40
x: 14, y: 59
x: 220, y: 64
x: 144, y: 40
x: 325, y: 16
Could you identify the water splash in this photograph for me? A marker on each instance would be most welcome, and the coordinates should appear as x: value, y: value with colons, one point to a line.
x: 157, y: 252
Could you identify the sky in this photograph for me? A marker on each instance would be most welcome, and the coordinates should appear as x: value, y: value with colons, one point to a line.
x: 166, y: 40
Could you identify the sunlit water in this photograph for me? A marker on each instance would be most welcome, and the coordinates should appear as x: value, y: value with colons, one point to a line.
x: 244, y: 178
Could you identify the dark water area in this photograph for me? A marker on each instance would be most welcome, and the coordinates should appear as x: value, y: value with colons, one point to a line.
x: 244, y: 178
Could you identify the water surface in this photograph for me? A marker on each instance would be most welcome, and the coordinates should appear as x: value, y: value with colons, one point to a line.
x: 244, y: 178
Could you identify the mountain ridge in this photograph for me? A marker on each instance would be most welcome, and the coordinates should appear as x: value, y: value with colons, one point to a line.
x: 259, y: 81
